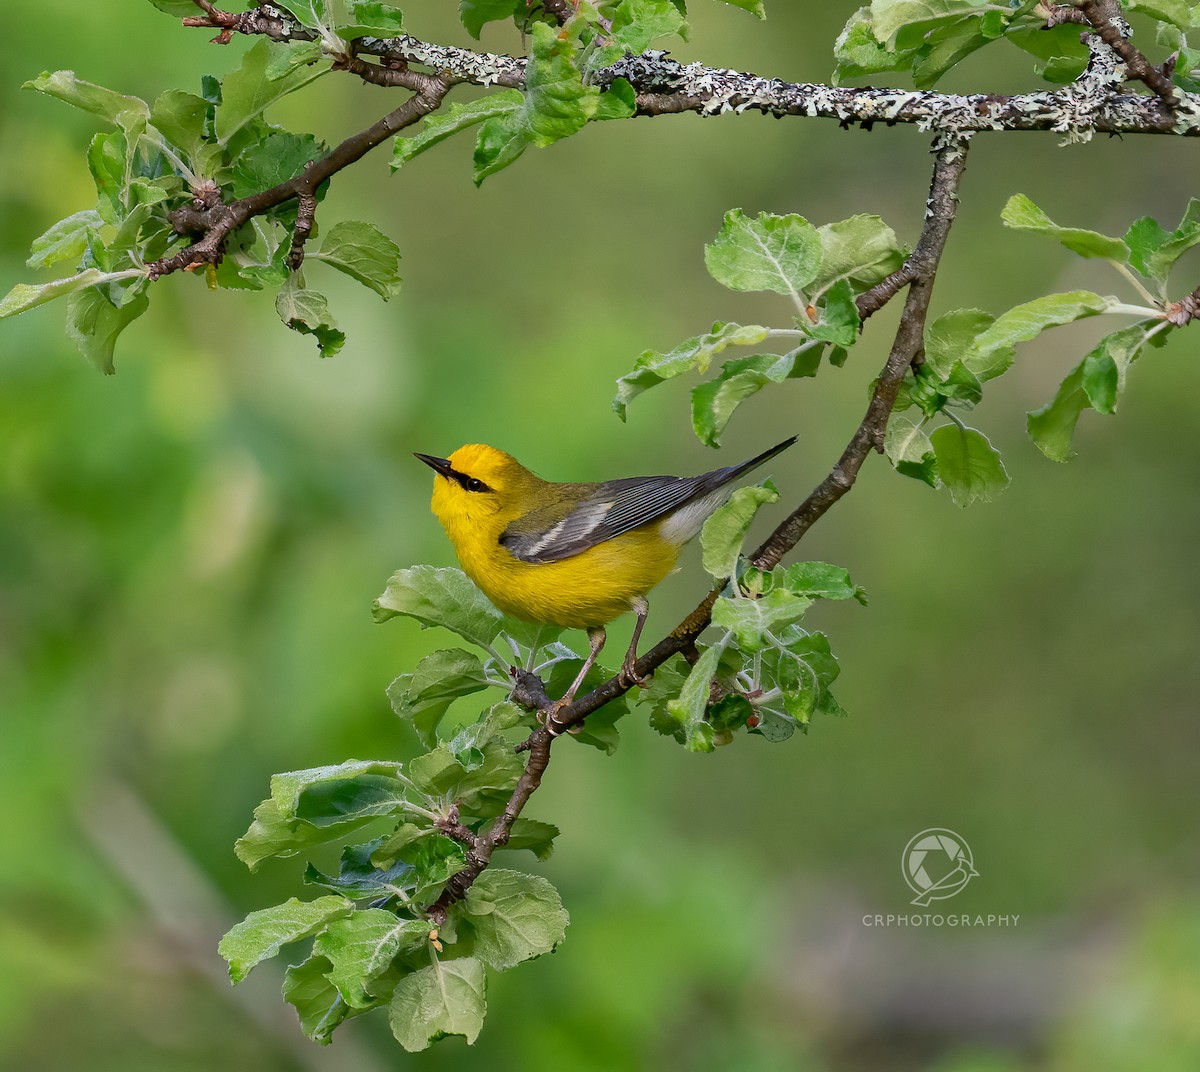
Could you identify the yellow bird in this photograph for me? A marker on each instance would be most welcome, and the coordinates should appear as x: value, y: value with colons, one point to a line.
x: 572, y: 555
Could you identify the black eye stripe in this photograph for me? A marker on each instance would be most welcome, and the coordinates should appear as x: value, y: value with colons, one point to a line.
x: 468, y: 483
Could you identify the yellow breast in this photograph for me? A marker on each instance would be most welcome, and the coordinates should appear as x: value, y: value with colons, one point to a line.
x: 589, y: 589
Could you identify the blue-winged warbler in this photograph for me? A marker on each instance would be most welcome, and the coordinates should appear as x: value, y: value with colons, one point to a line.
x: 574, y: 555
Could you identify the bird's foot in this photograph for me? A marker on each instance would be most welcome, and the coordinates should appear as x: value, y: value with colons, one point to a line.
x: 549, y: 718
x: 628, y: 677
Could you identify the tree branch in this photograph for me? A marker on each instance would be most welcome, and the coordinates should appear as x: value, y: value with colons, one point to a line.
x: 216, y: 221
x: 1094, y: 103
x: 919, y: 271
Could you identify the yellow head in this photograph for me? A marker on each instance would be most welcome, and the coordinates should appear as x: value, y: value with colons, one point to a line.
x: 478, y: 486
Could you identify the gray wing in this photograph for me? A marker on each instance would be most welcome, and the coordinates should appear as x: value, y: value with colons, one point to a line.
x: 614, y: 508
x: 619, y: 506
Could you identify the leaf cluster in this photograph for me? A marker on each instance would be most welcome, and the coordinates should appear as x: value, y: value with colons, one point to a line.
x: 199, y: 151
x: 929, y: 37
x: 821, y: 269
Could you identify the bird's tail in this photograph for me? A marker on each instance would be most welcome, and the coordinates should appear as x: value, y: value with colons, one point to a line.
x: 734, y: 471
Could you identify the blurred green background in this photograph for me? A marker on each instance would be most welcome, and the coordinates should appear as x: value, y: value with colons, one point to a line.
x: 188, y: 552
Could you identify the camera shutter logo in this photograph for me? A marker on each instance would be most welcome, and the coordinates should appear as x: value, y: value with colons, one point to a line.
x: 937, y: 864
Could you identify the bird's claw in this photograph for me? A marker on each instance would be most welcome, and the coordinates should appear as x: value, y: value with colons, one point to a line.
x: 628, y: 677
x: 549, y: 719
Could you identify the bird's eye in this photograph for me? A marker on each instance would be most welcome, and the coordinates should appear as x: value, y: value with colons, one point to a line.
x: 471, y: 484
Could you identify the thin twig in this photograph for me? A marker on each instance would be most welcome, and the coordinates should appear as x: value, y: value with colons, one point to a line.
x: 1103, y: 17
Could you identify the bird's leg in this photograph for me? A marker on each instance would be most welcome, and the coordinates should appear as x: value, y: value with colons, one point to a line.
x: 596, y: 636
x: 628, y: 675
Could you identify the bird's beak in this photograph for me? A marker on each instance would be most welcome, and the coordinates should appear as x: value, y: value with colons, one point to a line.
x: 439, y: 465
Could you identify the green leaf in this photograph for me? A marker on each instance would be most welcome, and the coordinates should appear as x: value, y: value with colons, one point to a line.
x: 445, y: 598
x: 1097, y: 381
x: 311, y: 13
x: 684, y: 716
x: 469, y: 745
x: 106, y: 158
x: 94, y: 323
x: 636, y: 23
x: 280, y: 156
x: 802, y: 667
x: 515, y: 916
x: 960, y: 385
x: 1100, y: 381
x: 355, y: 799
x: 273, y: 833
x: 434, y: 858
x: 1176, y: 12
x: 1153, y: 251
x: 276, y: 829
x: 555, y: 105
x: 290, y: 56
x: 307, y: 312
x: 951, y: 337
x: 438, y: 127
x: 290, y: 788
x: 365, y: 253
x: 65, y: 240
x: 439, y: 774
x: 714, y: 402
x: 27, y: 296
x: 1052, y: 427
x: 428, y: 857
x: 424, y: 696
x: 915, y: 18
x: 909, y: 450
x: 653, y: 368
x: 818, y: 580
x: 1021, y: 214
x: 247, y: 92
x: 362, y: 946
x: 776, y: 253
x: 862, y: 249
x: 476, y: 13
x: 1065, y: 55
x: 859, y: 52
x: 665, y: 686
x: 315, y: 999
x: 992, y: 352
x: 262, y: 934
x: 370, y: 18
x: 447, y: 998
x: 839, y: 320
x: 534, y: 835
x: 181, y: 118
x: 725, y: 530
x: 968, y: 464
x: 753, y: 621
x: 85, y: 95
x: 946, y: 46
x: 357, y: 876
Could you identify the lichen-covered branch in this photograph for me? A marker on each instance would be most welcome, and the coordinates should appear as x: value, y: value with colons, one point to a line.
x: 1092, y: 104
